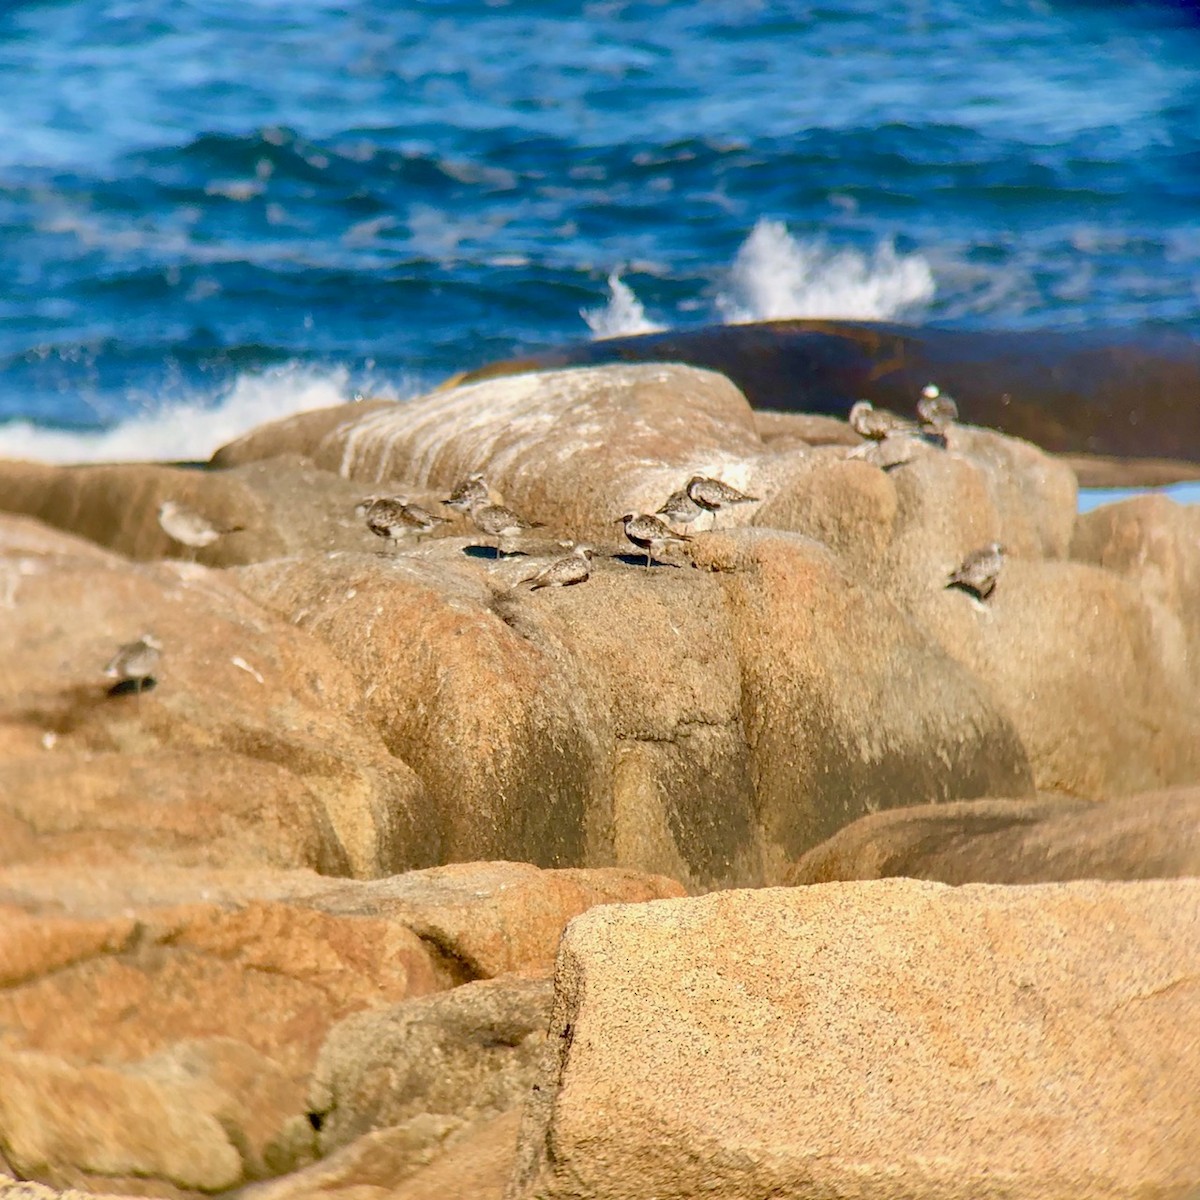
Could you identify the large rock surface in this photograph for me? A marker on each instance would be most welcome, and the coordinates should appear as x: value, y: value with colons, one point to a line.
x: 876, y: 1040
x: 163, y: 1024
x: 1043, y: 840
x: 249, y: 751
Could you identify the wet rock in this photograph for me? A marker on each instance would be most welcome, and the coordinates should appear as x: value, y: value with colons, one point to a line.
x: 887, y: 1038
x: 1043, y: 840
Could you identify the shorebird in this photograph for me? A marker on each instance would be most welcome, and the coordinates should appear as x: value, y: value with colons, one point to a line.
x: 979, y: 571
x: 575, y: 568
x: 679, y: 508
x: 470, y: 492
x: 892, y: 451
x: 393, y: 518
x: 876, y: 423
x: 649, y: 533
x: 712, y: 494
x: 937, y: 411
x: 134, y: 663
x: 502, y: 523
x: 185, y: 525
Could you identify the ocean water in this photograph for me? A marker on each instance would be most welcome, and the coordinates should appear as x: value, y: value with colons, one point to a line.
x: 214, y: 213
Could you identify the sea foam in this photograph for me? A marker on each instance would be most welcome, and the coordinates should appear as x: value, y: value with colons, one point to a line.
x: 192, y: 427
x: 623, y: 314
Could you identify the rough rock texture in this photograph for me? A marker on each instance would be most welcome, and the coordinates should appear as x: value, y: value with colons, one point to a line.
x: 1051, y: 838
x: 468, y: 1053
x: 248, y: 750
x: 274, y: 508
x: 163, y: 1023
x: 575, y: 449
x: 1154, y: 543
x: 848, y: 707
x: 876, y: 1039
x: 427, y: 1158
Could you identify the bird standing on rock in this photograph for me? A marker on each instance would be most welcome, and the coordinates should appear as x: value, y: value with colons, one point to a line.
x: 471, y: 491
x: 190, y: 528
x: 393, y: 518
x: 712, y: 494
x: 134, y: 663
x: 876, y: 423
x: 649, y: 533
x: 679, y: 508
x: 501, y: 523
x: 936, y: 410
x: 979, y: 571
x: 575, y: 568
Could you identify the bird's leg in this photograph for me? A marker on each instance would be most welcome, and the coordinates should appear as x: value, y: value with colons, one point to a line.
x: 649, y: 551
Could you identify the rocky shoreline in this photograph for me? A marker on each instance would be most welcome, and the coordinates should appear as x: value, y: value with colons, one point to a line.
x: 286, y: 922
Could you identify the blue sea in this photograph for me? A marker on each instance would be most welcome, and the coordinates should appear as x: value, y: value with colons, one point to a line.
x: 213, y: 213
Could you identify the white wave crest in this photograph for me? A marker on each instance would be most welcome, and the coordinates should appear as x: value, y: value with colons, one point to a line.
x: 192, y: 427
x: 776, y: 276
x: 624, y: 313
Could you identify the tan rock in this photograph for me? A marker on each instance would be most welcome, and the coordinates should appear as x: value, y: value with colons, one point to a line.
x: 848, y: 707
x: 490, y: 918
x: 1051, y: 838
x: 1155, y: 544
x: 273, y: 508
x: 875, y: 1039
x: 250, y: 749
x: 426, y: 1158
x: 1078, y: 660
x: 468, y: 1053
x: 574, y: 448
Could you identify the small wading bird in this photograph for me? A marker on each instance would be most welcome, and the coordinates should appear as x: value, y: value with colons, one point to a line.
x: 937, y: 411
x: 679, y: 508
x: 649, y: 533
x: 979, y: 571
x: 876, y: 423
x: 471, y: 491
x: 712, y: 494
x: 133, y: 665
x: 190, y: 528
x: 496, y: 521
x: 393, y: 518
x: 575, y: 568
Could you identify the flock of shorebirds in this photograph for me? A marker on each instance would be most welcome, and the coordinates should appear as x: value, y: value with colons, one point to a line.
x: 889, y: 441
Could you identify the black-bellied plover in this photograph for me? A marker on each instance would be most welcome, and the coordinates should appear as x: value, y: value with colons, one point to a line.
x: 575, y: 568
x: 649, y: 533
x: 134, y: 664
x: 979, y: 571
x: 471, y: 491
x: 679, y: 508
x: 393, y: 518
x: 876, y: 423
x: 712, y: 494
x: 190, y: 528
x: 501, y: 523
x: 936, y: 410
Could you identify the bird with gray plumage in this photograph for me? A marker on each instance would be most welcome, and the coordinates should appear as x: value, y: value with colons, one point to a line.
x: 471, y: 491
x: 650, y: 534
x: 892, y: 451
x: 134, y: 663
x: 679, y: 508
x: 393, y: 518
x: 979, y: 571
x: 936, y: 410
x: 713, y: 495
x: 876, y: 423
x: 190, y: 528
x: 564, y: 572
x: 501, y: 523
